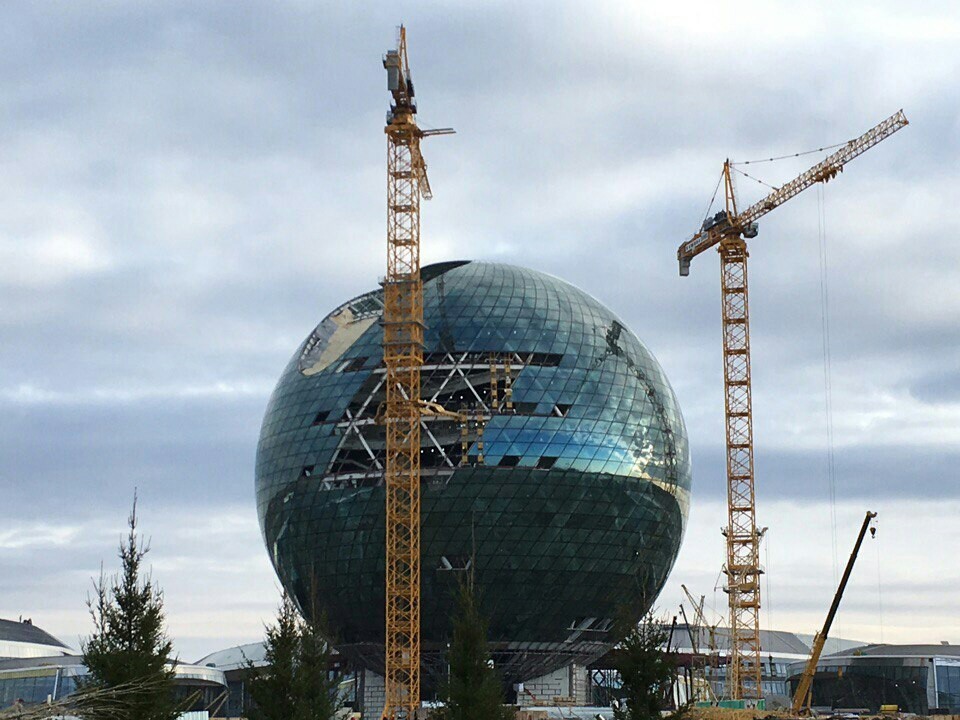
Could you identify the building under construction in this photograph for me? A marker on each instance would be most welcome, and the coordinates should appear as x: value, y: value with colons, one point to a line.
x: 562, y: 482
x: 491, y: 420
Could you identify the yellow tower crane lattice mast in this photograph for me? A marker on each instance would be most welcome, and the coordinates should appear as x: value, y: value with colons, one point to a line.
x: 729, y: 230
x: 403, y: 357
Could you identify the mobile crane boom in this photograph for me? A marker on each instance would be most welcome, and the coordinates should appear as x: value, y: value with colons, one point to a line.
x: 801, y: 698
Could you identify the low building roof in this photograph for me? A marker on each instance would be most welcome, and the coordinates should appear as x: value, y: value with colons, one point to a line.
x: 772, y: 642
x: 847, y: 658
x: 884, y: 650
x: 235, y: 657
x: 26, y: 663
x: 182, y: 671
x: 25, y: 631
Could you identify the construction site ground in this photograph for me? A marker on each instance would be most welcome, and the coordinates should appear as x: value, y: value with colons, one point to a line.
x: 713, y: 713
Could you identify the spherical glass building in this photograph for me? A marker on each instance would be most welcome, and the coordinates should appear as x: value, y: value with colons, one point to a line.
x: 563, y: 487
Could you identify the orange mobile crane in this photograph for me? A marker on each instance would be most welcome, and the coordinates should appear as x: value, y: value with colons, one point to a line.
x: 729, y: 230
x: 403, y: 356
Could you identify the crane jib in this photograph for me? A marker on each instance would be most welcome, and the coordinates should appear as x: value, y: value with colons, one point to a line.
x: 823, y: 171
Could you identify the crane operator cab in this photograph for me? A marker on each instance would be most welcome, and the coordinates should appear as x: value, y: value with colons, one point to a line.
x: 721, y: 222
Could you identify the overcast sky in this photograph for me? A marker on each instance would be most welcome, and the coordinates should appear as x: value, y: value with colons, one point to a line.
x: 186, y: 189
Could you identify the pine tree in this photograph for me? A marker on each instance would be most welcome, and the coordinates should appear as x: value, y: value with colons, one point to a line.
x: 314, y: 688
x: 295, y: 683
x: 129, y: 646
x: 473, y: 690
x: 646, y: 670
x: 272, y: 687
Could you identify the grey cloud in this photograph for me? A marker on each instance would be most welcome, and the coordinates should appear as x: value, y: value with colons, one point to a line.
x: 212, y: 599
x: 190, y: 188
x: 880, y: 472
x: 67, y: 459
x: 938, y: 386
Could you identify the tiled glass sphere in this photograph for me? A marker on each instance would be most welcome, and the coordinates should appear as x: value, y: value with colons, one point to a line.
x: 569, y: 502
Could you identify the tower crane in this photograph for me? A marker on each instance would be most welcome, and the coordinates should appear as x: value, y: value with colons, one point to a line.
x: 801, y: 698
x: 698, y: 671
x: 403, y: 357
x: 729, y: 229
x: 702, y: 620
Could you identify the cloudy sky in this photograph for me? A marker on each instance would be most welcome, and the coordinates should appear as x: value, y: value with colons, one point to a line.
x: 187, y: 188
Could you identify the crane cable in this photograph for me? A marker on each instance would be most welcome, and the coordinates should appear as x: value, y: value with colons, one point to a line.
x: 756, y: 180
x: 710, y: 206
x: 879, y: 586
x: 766, y: 577
x: 828, y: 378
x: 787, y: 157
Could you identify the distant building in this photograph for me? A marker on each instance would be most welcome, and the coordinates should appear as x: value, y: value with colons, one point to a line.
x: 779, y: 650
x: 23, y: 639
x: 919, y: 679
x: 703, y: 656
x: 236, y: 663
x: 35, y: 668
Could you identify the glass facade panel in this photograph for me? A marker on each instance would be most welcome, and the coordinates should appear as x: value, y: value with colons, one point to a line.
x: 26, y: 687
x: 948, y: 688
x: 868, y: 683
